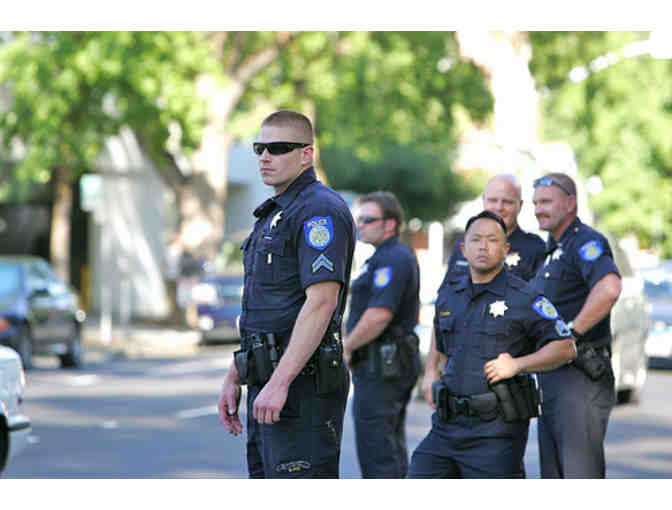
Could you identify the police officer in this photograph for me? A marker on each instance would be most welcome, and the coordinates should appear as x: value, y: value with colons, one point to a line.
x: 297, y: 265
x: 381, y: 347
x: 490, y: 327
x: 502, y: 196
x: 580, y: 277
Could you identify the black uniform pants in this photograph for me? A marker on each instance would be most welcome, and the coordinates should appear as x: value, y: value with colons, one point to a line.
x: 571, y: 429
x: 306, y: 442
x: 379, y: 415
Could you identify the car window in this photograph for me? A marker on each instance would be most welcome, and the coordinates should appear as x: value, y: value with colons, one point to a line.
x: 658, y: 290
x: 35, y: 279
x: 10, y: 280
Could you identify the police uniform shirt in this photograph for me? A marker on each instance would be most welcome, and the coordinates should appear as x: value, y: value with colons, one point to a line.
x: 573, y: 265
x: 389, y: 279
x: 526, y: 254
x: 303, y: 236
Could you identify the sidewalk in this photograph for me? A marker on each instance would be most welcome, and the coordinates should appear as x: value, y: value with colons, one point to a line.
x: 139, y: 340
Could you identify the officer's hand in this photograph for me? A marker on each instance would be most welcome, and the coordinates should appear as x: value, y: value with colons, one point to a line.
x: 429, y: 377
x: 503, y: 367
x: 269, y: 402
x: 228, y: 407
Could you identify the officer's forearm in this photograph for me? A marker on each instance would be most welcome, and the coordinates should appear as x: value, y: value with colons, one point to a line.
x: 599, y: 302
x: 434, y: 358
x: 370, y: 325
x: 552, y: 355
x: 309, y: 328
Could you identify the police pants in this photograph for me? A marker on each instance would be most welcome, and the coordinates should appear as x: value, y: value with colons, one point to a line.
x: 306, y: 442
x: 571, y: 429
x: 379, y: 415
x: 470, y: 448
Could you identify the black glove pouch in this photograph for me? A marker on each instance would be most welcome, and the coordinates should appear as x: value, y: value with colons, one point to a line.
x: 329, y: 373
x: 390, y: 360
x: 590, y: 361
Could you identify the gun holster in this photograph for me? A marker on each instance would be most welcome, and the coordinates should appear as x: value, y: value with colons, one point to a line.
x: 590, y: 360
x: 329, y: 369
x: 519, y: 397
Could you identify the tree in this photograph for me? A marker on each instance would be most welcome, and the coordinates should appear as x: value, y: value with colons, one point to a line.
x: 603, y: 93
x: 68, y: 91
x: 386, y: 107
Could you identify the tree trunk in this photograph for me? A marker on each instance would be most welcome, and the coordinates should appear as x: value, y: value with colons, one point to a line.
x: 59, y: 245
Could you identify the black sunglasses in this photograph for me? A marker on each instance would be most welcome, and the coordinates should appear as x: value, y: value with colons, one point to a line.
x: 277, y: 148
x: 367, y: 219
x: 548, y: 181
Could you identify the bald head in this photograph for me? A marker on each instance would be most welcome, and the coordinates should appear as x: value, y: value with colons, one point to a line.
x: 502, y: 196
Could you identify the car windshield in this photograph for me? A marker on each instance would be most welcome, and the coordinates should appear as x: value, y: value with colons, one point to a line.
x: 10, y: 280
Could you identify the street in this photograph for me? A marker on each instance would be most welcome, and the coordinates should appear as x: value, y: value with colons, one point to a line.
x: 156, y: 418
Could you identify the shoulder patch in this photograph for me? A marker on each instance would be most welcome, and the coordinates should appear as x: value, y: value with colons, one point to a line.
x: 545, y: 308
x: 382, y: 276
x: 319, y: 232
x: 591, y: 250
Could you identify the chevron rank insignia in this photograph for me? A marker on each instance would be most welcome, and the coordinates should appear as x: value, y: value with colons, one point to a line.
x: 322, y: 261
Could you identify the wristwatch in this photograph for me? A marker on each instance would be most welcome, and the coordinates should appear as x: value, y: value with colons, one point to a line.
x: 579, y: 337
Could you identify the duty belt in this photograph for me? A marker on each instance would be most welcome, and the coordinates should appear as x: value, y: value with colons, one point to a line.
x: 471, y: 405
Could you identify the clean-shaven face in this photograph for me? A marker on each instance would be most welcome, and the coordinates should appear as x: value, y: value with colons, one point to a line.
x: 502, y: 198
x: 373, y: 232
x: 485, y: 246
x: 280, y: 170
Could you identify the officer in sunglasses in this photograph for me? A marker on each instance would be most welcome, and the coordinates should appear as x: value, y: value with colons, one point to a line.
x: 580, y: 277
x: 381, y: 347
x: 297, y: 267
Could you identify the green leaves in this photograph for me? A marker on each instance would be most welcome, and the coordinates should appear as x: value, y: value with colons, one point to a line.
x: 617, y: 120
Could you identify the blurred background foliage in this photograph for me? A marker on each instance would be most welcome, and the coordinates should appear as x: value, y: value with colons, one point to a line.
x: 390, y: 109
x: 616, y: 114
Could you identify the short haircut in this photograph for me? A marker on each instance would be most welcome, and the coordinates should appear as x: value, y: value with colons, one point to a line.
x: 489, y: 215
x: 295, y: 120
x: 389, y: 205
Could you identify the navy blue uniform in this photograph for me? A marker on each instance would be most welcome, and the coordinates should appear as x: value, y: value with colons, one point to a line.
x: 526, y: 254
x: 474, y: 323
x: 389, y: 279
x: 576, y: 409
x: 303, y: 236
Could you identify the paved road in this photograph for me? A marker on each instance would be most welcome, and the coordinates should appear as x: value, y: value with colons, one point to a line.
x: 155, y: 418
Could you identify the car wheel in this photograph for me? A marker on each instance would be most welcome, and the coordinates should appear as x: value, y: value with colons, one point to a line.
x: 74, y: 357
x: 23, y: 345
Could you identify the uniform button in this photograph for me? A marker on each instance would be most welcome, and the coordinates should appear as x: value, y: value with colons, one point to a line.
x: 547, y: 275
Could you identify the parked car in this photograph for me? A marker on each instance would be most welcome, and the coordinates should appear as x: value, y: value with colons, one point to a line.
x: 14, y: 426
x: 42, y: 311
x: 658, y: 289
x: 218, y: 305
x: 629, y: 328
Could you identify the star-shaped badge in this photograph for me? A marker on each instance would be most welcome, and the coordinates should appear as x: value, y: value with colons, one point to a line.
x: 275, y: 220
x: 498, y: 308
x: 557, y: 253
x: 512, y: 259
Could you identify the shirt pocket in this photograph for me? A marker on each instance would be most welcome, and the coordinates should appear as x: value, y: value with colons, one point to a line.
x: 493, y: 338
x: 445, y: 334
x: 271, y: 259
